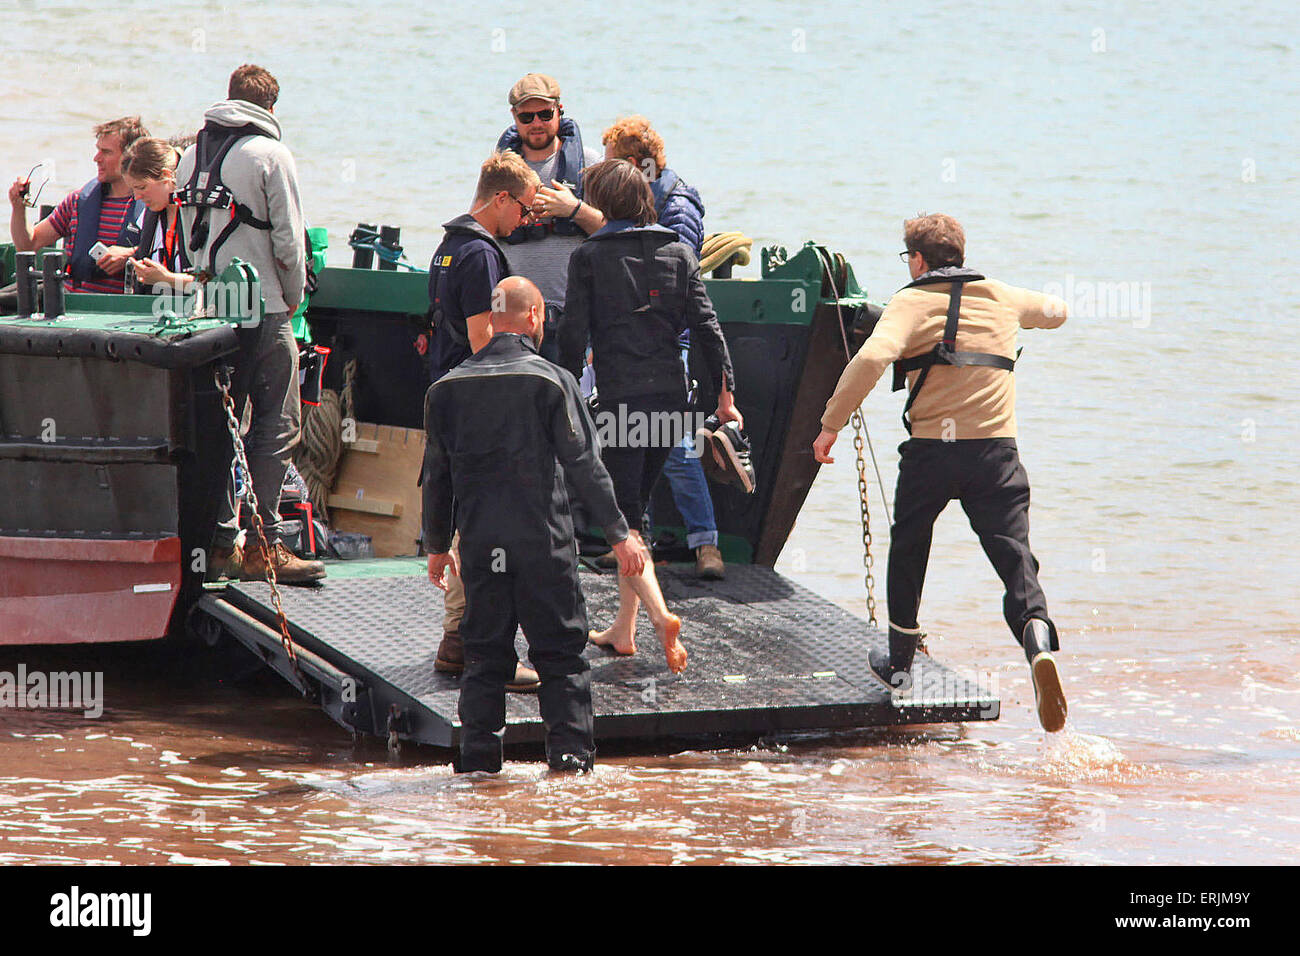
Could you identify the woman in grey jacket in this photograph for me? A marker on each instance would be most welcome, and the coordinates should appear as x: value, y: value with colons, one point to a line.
x: 633, y: 287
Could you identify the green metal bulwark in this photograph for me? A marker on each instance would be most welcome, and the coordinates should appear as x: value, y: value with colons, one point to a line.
x: 372, y: 290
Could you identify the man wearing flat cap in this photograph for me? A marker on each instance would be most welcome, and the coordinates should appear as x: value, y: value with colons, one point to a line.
x: 551, y: 144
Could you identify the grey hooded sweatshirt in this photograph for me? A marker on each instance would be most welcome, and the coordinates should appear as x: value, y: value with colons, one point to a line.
x: 259, y: 170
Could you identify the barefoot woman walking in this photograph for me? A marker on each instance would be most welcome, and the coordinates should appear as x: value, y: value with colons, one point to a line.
x: 633, y: 287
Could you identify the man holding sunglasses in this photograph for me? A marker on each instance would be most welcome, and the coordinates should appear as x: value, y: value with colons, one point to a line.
x: 551, y: 145
x: 465, y: 269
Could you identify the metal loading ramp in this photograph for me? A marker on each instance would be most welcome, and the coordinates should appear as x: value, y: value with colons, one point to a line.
x: 767, y: 657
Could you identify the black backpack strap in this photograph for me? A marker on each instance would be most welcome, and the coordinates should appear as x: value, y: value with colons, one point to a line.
x: 939, y: 356
x: 945, y: 353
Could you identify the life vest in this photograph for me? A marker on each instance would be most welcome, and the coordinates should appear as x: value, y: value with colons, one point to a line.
x: 568, y: 170
x: 440, y: 268
x: 206, y: 192
x: 945, y: 353
x: 90, y: 203
x: 149, y: 225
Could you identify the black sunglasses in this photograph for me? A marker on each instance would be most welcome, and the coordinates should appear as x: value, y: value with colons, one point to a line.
x: 544, y: 115
x: 525, y: 209
x: 905, y: 254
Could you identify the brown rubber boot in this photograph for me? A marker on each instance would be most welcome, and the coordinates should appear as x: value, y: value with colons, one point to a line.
x: 289, y: 568
x: 451, y: 660
x: 708, y: 563
x: 225, y: 563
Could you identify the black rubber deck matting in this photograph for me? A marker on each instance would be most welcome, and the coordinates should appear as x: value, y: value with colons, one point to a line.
x: 767, y: 656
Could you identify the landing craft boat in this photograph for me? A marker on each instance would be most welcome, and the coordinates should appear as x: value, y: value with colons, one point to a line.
x: 115, y: 448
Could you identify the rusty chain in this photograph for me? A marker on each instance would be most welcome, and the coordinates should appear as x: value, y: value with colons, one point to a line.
x: 222, y: 378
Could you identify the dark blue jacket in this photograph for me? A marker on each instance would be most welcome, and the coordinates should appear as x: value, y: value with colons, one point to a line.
x: 680, y: 208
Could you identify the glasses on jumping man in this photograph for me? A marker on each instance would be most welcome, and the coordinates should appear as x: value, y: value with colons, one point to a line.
x: 544, y: 115
x: 905, y: 254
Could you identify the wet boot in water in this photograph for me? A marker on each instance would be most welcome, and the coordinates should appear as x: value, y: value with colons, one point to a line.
x: 894, y: 666
x: 1048, y: 693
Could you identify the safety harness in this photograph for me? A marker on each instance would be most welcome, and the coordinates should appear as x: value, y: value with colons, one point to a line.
x: 207, y: 192
x: 945, y: 353
x: 569, y: 165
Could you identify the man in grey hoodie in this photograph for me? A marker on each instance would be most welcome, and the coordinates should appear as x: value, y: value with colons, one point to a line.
x: 259, y: 171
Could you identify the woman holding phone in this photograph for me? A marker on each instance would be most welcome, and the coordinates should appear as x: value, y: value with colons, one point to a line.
x: 161, y: 259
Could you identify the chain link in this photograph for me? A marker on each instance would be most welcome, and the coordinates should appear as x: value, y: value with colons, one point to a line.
x: 867, y: 560
x: 222, y: 378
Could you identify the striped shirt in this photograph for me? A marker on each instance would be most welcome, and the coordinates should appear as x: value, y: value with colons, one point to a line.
x: 111, y: 216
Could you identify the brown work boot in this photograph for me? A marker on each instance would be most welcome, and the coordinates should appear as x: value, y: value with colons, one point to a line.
x: 289, y: 568
x: 451, y: 654
x: 225, y: 563
x: 708, y: 563
x: 451, y: 660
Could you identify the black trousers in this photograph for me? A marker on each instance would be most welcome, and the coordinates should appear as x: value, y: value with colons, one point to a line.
x: 536, y: 588
x: 986, y: 476
x: 635, y: 467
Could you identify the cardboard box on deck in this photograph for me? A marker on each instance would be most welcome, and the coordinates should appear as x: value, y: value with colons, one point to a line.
x: 376, y: 493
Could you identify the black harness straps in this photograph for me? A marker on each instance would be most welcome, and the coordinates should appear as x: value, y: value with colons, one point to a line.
x: 945, y: 353
x: 207, y: 192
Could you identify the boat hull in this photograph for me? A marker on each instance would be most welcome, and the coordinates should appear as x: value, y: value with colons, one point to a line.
x: 78, y: 591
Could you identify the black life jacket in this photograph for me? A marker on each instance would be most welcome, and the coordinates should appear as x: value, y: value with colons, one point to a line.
x: 441, y: 266
x: 945, y: 353
x: 148, y: 225
x: 90, y: 202
x: 207, y: 192
x: 568, y: 170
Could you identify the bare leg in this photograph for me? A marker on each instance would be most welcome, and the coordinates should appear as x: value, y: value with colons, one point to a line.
x: 621, y: 635
x: 667, y: 625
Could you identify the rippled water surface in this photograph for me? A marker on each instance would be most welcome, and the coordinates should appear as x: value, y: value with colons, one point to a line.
x: 1089, y: 144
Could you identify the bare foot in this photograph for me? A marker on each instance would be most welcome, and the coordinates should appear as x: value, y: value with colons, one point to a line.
x: 622, y: 643
x: 673, y: 650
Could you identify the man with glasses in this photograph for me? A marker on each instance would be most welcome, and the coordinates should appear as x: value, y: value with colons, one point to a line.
x: 465, y: 269
x: 551, y: 144
x: 951, y: 335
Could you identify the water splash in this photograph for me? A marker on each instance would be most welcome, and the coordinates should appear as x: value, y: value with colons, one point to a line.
x: 1082, y: 756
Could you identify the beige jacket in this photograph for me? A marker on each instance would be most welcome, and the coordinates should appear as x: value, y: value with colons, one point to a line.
x: 956, y: 403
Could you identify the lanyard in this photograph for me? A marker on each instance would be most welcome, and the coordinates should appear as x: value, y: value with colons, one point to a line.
x: 169, y: 236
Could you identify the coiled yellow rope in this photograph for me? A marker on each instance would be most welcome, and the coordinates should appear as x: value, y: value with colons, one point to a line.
x: 719, y: 247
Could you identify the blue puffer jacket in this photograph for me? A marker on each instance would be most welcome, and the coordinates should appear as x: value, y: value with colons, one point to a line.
x: 680, y: 208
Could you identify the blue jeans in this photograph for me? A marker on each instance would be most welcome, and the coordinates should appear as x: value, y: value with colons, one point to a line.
x: 690, y: 488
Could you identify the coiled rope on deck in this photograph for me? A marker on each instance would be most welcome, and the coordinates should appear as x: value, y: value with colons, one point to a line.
x: 320, y: 446
x: 722, y: 246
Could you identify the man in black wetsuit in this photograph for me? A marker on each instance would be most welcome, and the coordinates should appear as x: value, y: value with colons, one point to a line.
x: 505, y: 427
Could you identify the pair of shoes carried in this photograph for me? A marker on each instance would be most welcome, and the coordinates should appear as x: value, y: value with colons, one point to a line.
x: 225, y: 563
x: 1049, y: 696
x: 608, y: 560
x: 289, y: 568
x: 708, y: 563
x: 451, y: 660
x: 726, y: 457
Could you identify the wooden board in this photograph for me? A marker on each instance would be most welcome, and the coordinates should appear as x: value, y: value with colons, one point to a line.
x: 376, y: 492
